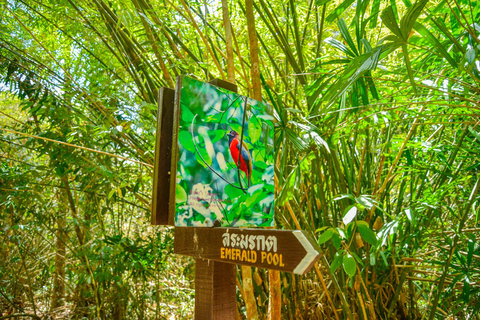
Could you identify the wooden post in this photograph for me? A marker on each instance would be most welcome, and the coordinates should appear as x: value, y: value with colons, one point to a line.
x: 215, y: 288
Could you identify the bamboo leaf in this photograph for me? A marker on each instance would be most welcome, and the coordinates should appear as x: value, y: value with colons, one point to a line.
x: 388, y: 18
x: 340, y: 46
x: 342, y: 26
x: 434, y: 41
x: 409, y: 19
x: 339, y: 10
x: 357, y: 67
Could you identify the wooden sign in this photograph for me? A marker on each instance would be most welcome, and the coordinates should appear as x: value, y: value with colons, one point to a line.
x: 285, y: 250
x: 244, y: 198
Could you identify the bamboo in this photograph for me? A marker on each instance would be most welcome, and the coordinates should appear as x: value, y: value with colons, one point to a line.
x: 78, y: 147
x: 453, y: 248
x: 254, y: 59
x: 228, y: 41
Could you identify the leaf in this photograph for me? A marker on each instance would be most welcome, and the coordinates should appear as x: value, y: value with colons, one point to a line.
x: 434, y: 41
x: 185, y: 140
x: 466, y: 289
x: 408, y: 212
x: 342, y: 26
x: 374, y: 11
x: 471, y: 248
x: 233, y: 192
x: 325, y: 236
x: 254, y: 129
x: 339, y: 10
x: 368, y: 234
x: 388, y: 18
x: 356, y: 69
x: 349, y: 265
x: 350, y: 215
x: 297, y: 142
x: 337, y: 242
x: 340, y: 46
x: 336, y: 262
x: 344, y: 196
x: 365, y: 201
x: 255, y: 188
x: 470, y: 55
x: 409, y: 19
x: 180, y: 194
x: 384, y: 258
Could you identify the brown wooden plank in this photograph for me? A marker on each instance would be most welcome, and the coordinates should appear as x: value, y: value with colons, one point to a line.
x: 161, y: 214
x: 174, y: 142
x: 224, y: 84
x: 285, y: 250
x: 215, y: 296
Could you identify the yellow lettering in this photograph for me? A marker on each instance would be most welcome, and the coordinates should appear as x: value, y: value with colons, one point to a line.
x: 237, y: 254
x: 281, y: 262
x: 244, y: 255
x: 275, y: 259
x: 264, y: 255
x: 228, y: 253
x: 222, y: 253
x: 254, y: 256
x: 269, y: 258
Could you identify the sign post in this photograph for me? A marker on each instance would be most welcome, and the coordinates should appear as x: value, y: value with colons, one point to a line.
x: 218, y: 249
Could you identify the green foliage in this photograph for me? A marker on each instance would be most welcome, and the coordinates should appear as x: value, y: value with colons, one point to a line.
x: 376, y: 132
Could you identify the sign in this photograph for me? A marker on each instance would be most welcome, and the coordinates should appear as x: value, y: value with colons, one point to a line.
x: 285, y: 250
x: 199, y: 182
x: 222, y: 165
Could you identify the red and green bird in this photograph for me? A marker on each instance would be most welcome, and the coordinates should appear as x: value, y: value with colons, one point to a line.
x: 245, y: 159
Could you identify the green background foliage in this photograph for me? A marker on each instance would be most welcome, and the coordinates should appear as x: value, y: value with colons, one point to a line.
x: 377, y: 145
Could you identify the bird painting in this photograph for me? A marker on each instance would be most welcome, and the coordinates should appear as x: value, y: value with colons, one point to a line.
x: 245, y: 158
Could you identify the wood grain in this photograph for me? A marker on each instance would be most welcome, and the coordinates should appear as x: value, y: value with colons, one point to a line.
x: 215, y: 286
x: 160, y: 213
x: 288, y: 250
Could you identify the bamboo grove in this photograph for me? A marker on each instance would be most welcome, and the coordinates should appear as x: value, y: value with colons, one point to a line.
x: 377, y: 137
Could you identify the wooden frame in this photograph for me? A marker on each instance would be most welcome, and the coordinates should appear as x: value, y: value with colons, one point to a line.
x: 162, y: 197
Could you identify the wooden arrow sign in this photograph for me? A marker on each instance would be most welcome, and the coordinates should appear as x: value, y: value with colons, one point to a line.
x: 285, y: 250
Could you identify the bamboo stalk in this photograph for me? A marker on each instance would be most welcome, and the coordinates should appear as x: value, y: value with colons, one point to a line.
x: 204, y: 39
x: 78, y: 147
x: 325, y: 289
x: 228, y: 41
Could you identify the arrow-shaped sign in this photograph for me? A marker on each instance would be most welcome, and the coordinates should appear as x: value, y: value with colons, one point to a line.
x: 285, y: 250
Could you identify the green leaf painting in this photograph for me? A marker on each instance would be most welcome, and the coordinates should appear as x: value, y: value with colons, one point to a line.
x: 223, y: 184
